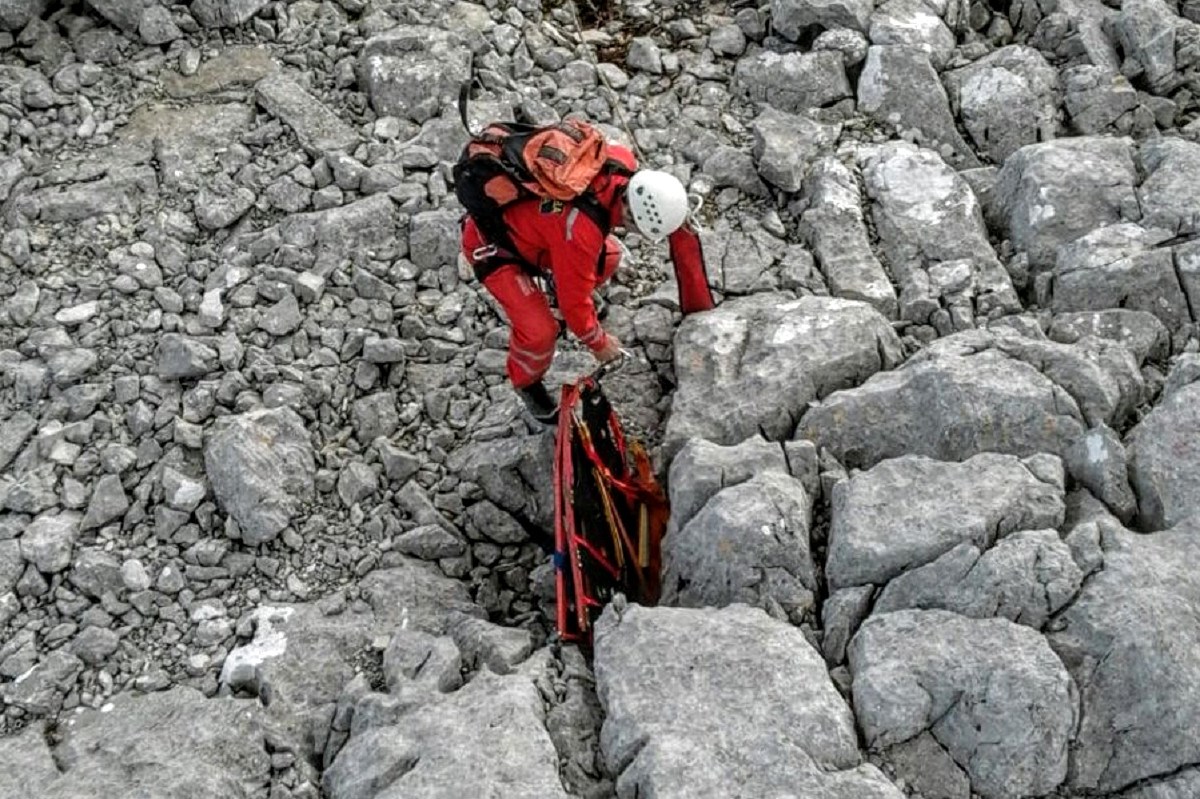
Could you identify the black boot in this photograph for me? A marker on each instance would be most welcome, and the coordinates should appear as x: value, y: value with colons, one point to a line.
x: 539, y: 403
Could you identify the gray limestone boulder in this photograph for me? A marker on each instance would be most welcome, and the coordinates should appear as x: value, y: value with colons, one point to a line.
x: 1053, y: 192
x: 833, y: 225
x: 33, y: 771
x: 1164, y: 459
x: 1007, y: 99
x: 174, y: 744
x: 434, y: 238
x: 261, y: 469
x: 793, y: 82
x: 414, y: 595
x: 983, y: 390
x: 1099, y: 100
x: 1130, y: 641
x: 749, y: 544
x: 16, y: 14
x: 1170, y: 193
x: 225, y: 13
x: 913, y: 23
x: 1099, y: 463
x: 14, y: 432
x: 157, y: 27
x: 1187, y: 267
x: 514, y: 474
x: 931, y: 230
x: 221, y: 204
x: 701, y: 469
x: 785, y: 145
x: 841, y: 614
x: 43, y: 686
x: 1101, y: 375
x: 1120, y: 266
x: 107, y: 504
x: 745, y: 259
x: 734, y: 167
x: 499, y: 721
x: 754, y: 363
x: 1177, y: 786
x: 1092, y: 23
x: 409, y: 71
x: 1146, y: 30
x: 1140, y: 331
x: 909, y: 511
x: 117, y: 188
x: 185, y: 140
x: 991, y: 693
x: 356, y: 232
x: 12, y: 565
x: 181, y: 357
x: 689, y: 710
x: 49, y: 541
x: 500, y: 649
x: 125, y: 14
x: 794, y: 18
x: 1026, y: 578
x: 317, y: 127
x: 374, y: 416
x: 414, y: 656
x: 900, y: 88
x: 298, y: 658
x: 1185, y: 370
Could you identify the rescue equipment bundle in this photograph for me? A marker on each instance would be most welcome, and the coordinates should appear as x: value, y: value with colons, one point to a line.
x: 609, y: 512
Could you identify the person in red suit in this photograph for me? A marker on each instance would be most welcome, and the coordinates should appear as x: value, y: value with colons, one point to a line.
x: 571, y: 245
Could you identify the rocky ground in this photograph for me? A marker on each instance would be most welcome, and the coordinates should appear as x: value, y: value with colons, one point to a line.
x: 271, y: 521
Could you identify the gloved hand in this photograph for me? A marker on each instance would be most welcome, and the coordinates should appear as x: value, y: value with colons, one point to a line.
x: 610, y: 350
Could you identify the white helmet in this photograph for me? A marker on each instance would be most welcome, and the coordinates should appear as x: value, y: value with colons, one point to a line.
x: 657, y: 202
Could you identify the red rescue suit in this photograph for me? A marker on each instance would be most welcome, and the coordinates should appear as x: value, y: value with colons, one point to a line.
x: 563, y: 241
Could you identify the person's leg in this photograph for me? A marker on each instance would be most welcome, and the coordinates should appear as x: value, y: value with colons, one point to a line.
x: 533, y: 334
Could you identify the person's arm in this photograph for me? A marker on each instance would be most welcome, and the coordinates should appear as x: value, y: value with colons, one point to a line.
x: 574, y: 259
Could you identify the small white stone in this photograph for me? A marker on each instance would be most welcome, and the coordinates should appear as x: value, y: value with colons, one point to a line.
x: 212, y: 311
x: 77, y: 314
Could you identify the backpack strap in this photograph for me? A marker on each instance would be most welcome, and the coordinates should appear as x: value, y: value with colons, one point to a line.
x: 500, y: 249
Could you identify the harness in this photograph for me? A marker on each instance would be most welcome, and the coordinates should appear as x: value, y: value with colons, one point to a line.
x: 499, y: 250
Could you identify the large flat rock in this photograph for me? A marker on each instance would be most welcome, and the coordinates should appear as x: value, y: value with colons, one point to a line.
x: 1131, y: 641
x: 486, y: 739
x: 1121, y: 266
x: 932, y: 232
x: 1053, y: 192
x: 910, y: 511
x: 691, y: 710
x: 1007, y: 99
x: 756, y: 362
x: 1026, y: 578
x: 979, y: 391
x: 991, y: 693
x: 175, y: 744
x: 748, y: 544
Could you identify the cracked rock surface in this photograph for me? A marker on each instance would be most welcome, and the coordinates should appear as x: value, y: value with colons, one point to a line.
x: 274, y: 525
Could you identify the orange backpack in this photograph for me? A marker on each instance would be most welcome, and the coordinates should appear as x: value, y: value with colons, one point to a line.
x: 509, y: 161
